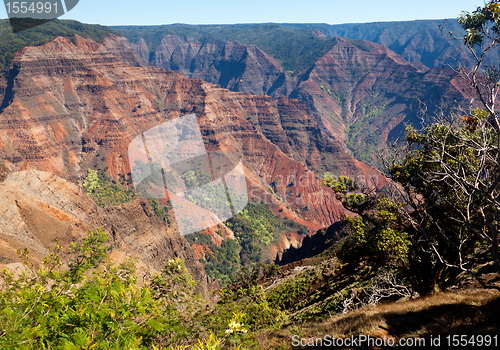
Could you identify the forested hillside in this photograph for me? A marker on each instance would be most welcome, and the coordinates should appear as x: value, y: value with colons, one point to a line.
x: 297, y: 46
x: 424, y: 41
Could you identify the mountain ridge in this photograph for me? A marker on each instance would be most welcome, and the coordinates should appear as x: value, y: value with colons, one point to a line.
x: 416, y: 41
x: 78, y: 129
x: 361, y: 93
x: 42, y: 34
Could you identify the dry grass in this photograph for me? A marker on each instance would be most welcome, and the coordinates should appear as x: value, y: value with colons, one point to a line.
x: 470, y: 311
x: 438, y: 314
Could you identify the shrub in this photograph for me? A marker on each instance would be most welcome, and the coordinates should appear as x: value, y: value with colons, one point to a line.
x: 94, y: 303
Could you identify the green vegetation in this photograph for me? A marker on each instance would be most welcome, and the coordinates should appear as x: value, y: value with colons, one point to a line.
x: 161, y: 212
x: 366, y: 148
x: 105, y: 191
x: 212, y: 196
x: 320, y: 291
x: 96, y: 304
x: 255, y: 229
x: 341, y: 98
x: 378, y: 239
x: 242, y: 314
x: 93, y: 304
x: 223, y: 263
x: 378, y: 233
x: 361, y: 44
x: 91, y: 182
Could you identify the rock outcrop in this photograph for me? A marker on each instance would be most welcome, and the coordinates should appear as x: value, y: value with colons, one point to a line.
x: 38, y: 207
x: 361, y: 94
x: 76, y: 106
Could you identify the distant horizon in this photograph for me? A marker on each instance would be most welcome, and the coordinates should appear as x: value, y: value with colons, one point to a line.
x: 223, y: 12
x: 247, y: 24
x: 262, y: 23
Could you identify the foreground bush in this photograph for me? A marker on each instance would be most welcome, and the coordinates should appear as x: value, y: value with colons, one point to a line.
x: 94, y: 304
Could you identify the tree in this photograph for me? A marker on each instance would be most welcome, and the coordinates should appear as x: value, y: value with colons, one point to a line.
x: 450, y: 170
x: 91, y: 182
x: 447, y: 173
x: 482, y: 38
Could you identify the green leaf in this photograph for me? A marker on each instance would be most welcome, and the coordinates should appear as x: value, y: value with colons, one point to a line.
x: 157, y: 326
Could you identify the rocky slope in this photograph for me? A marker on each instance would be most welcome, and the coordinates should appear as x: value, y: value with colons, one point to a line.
x: 78, y: 105
x: 38, y: 207
x: 364, y: 94
x: 360, y: 93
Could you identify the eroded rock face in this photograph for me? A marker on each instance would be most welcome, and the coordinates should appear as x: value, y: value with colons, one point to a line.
x: 76, y: 105
x: 231, y: 65
x: 38, y: 207
x: 371, y: 92
x: 361, y: 94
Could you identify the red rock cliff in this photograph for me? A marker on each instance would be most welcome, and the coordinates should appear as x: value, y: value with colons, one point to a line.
x: 77, y: 105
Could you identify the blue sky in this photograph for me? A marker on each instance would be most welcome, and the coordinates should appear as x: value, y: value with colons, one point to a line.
x: 152, y: 12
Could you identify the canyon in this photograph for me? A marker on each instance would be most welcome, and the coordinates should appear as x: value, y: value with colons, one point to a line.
x: 74, y: 104
x: 77, y: 105
x: 360, y: 93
